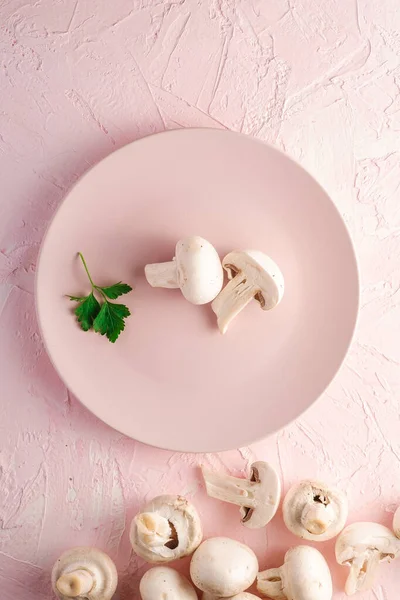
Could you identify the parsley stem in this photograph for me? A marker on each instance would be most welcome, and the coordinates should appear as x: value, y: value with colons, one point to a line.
x: 86, y: 268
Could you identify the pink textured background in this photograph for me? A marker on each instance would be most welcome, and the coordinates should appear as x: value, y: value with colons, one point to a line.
x: 79, y: 78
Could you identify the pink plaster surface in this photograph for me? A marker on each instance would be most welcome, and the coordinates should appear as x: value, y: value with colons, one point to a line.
x: 320, y: 79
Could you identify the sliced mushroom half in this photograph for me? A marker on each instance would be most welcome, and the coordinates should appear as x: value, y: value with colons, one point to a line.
x: 315, y: 511
x: 304, y: 575
x: 252, y: 274
x: 258, y: 497
x: 167, y: 528
x: 362, y: 546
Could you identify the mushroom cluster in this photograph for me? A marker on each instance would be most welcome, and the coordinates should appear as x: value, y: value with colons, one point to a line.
x: 169, y: 528
x: 197, y: 271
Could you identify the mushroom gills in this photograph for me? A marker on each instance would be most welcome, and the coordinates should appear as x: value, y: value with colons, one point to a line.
x: 363, y: 572
x: 168, y: 528
x: 156, y: 530
x: 314, y: 510
x: 235, y: 296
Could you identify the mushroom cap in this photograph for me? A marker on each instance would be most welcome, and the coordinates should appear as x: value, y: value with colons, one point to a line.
x: 360, y: 537
x: 186, y: 524
x: 268, y: 496
x: 396, y: 522
x: 223, y: 567
x: 263, y: 271
x: 307, y: 493
x: 199, y: 270
x: 306, y: 575
x: 164, y: 583
x: 96, y: 562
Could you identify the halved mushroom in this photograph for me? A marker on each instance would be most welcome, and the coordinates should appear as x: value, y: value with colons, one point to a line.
x: 396, y: 522
x: 164, y: 583
x: 253, y: 274
x: 304, y: 575
x: 196, y: 270
x: 362, y: 546
x: 315, y: 511
x: 258, y: 496
x: 168, y: 528
x: 84, y: 573
x: 223, y: 567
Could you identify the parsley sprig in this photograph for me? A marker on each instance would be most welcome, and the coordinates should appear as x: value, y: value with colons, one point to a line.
x: 107, y: 318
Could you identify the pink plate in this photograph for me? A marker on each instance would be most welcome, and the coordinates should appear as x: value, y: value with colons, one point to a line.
x: 172, y: 380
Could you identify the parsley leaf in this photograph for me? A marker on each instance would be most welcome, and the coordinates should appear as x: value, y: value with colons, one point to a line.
x: 110, y: 320
x: 86, y: 311
x: 107, y: 318
x: 116, y: 290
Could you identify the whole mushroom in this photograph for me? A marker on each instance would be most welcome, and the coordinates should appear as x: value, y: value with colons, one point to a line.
x: 223, y: 567
x: 258, y: 496
x: 196, y: 269
x: 164, y: 583
x: 241, y: 596
x: 315, y: 511
x: 84, y: 573
x: 304, y: 575
x: 396, y: 522
x: 166, y: 529
x: 252, y: 274
x: 362, y: 546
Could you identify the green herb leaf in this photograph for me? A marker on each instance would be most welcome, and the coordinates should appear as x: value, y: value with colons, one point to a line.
x: 110, y: 320
x: 116, y: 290
x: 86, y: 311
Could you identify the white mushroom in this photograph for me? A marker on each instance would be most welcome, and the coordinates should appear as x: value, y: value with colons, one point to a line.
x: 253, y: 274
x: 258, y: 496
x: 304, y: 575
x: 315, y: 511
x: 241, y: 596
x: 223, y: 567
x: 196, y: 270
x: 396, y: 522
x: 167, y: 528
x: 84, y: 573
x: 164, y: 583
x: 362, y: 546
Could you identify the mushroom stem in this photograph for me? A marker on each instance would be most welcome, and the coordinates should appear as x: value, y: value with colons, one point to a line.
x: 153, y: 529
x: 269, y: 583
x: 317, y: 517
x: 235, y: 296
x: 363, y: 571
x: 162, y: 275
x: 74, y: 584
x: 230, y: 489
